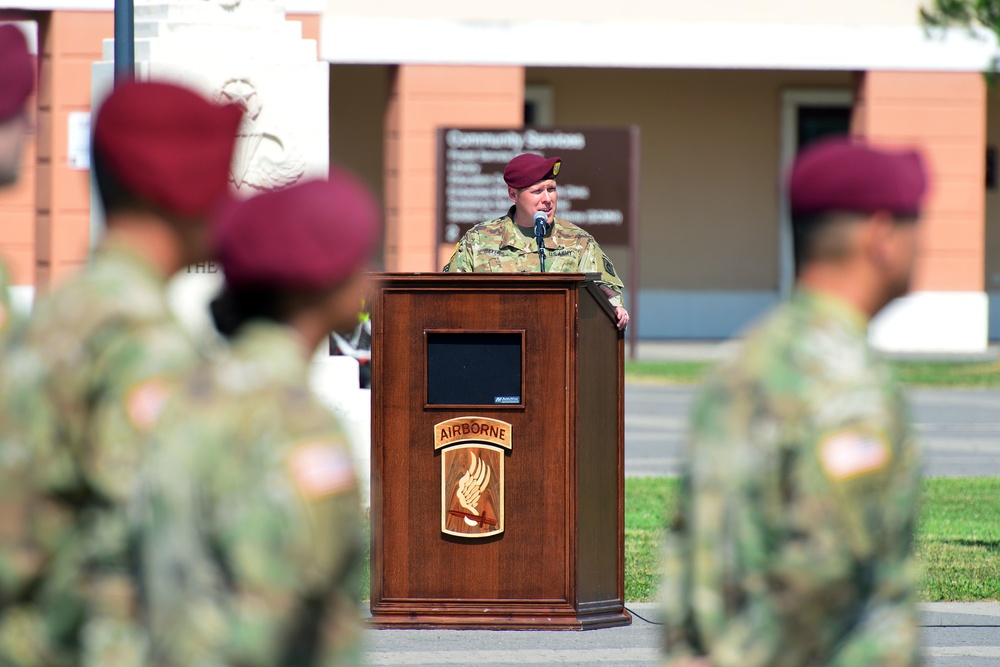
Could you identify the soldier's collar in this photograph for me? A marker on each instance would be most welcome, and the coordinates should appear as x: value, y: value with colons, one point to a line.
x: 516, y: 236
x: 125, y: 254
x: 275, y: 346
x: 835, y: 307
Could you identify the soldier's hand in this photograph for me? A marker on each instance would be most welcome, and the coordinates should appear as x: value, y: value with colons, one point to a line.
x: 621, y: 318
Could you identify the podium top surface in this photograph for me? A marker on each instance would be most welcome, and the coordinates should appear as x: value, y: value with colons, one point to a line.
x: 500, y: 280
x: 487, y: 277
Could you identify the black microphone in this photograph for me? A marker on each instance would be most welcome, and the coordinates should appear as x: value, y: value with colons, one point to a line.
x: 540, y: 219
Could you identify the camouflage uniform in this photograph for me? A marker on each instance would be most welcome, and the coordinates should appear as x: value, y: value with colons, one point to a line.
x: 792, y: 545
x: 83, y: 379
x: 247, y: 517
x: 6, y: 312
x: 502, y: 246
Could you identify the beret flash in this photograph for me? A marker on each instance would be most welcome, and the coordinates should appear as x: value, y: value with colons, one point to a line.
x: 167, y: 144
x: 17, y: 71
x: 841, y: 174
x: 527, y: 169
x: 310, y: 236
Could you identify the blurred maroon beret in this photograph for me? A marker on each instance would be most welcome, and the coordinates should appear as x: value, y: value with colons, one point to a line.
x: 167, y: 144
x: 841, y: 174
x: 310, y: 236
x: 17, y: 71
x: 527, y: 169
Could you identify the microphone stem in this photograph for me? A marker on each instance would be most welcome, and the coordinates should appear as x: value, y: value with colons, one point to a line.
x: 540, y: 239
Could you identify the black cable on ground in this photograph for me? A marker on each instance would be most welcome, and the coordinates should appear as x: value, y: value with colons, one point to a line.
x: 641, y: 617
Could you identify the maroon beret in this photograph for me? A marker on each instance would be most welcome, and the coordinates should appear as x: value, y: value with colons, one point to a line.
x: 310, y: 236
x: 17, y: 71
x: 168, y: 145
x: 527, y: 169
x: 841, y: 174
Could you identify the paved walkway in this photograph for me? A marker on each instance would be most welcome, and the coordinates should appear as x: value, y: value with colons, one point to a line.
x: 955, y: 635
x: 715, y: 350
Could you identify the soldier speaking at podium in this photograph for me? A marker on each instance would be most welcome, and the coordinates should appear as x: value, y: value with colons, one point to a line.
x: 510, y: 244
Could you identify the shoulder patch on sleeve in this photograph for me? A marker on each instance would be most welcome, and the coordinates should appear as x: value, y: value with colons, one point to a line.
x: 319, y: 469
x: 850, y: 454
x: 608, y: 266
x: 145, y: 401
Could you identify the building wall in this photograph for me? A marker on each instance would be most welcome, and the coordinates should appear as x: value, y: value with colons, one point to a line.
x: 729, y: 34
x: 710, y: 146
x: 944, y: 114
x: 423, y: 98
x: 358, y: 97
x: 45, y: 221
x: 69, y: 43
x: 848, y: 12
x: 310, y: 26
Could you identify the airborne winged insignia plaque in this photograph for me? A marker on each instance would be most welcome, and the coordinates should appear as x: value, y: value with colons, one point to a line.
x: 472, y: 474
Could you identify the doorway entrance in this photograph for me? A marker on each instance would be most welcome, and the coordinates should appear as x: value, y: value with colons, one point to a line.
x: 806, y: 116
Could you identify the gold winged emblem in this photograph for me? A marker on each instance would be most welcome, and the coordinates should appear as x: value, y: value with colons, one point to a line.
x: 472, y: 475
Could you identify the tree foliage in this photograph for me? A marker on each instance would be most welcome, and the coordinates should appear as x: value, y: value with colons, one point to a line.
x: 964, y: 13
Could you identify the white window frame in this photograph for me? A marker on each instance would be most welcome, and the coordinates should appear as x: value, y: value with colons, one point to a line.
x: 791, y: 101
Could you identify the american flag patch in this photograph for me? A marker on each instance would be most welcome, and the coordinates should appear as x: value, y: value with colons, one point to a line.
x: 319, y: 469
x: 144, y: 403
x: 852, y: 453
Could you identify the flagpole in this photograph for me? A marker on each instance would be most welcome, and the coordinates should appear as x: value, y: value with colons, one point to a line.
x: 124, y: 41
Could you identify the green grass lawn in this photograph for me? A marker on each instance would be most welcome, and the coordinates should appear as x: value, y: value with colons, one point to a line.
x: 958, y: 540
x: 913, y: 373
x: 647, y: 501
x: 944, y: 374
x: 672, y: 372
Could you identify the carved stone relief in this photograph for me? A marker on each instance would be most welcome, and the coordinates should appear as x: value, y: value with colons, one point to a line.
x: 265, y: 158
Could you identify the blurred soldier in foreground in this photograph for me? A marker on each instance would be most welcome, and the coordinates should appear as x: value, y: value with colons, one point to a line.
x: 248, y: 513
x: 17, y: 80
x: 87, y: 374
x: 508, y: 244
x: 792, y: 545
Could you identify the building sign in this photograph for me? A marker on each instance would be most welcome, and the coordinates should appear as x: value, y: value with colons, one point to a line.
x: 594, y: 185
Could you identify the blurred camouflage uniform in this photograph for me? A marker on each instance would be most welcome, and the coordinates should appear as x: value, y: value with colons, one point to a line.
x: 84, y: 378
x: 792, y: 545
x: 502, y: 246
x: 6, y: 311
x: 248, y: 517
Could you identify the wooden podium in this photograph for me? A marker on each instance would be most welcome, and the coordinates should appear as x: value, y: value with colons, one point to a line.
x: 497, y: 453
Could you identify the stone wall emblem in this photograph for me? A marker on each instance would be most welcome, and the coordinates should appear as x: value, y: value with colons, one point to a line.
x: 472, y: 475
x: 264, y: 158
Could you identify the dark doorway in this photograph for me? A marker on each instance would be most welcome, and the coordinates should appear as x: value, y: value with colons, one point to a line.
x: 816, y: 122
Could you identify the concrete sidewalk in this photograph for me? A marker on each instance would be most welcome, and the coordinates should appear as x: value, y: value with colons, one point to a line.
x: 956, y: 634
x: 683, y: 350
x: 716, y: 350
